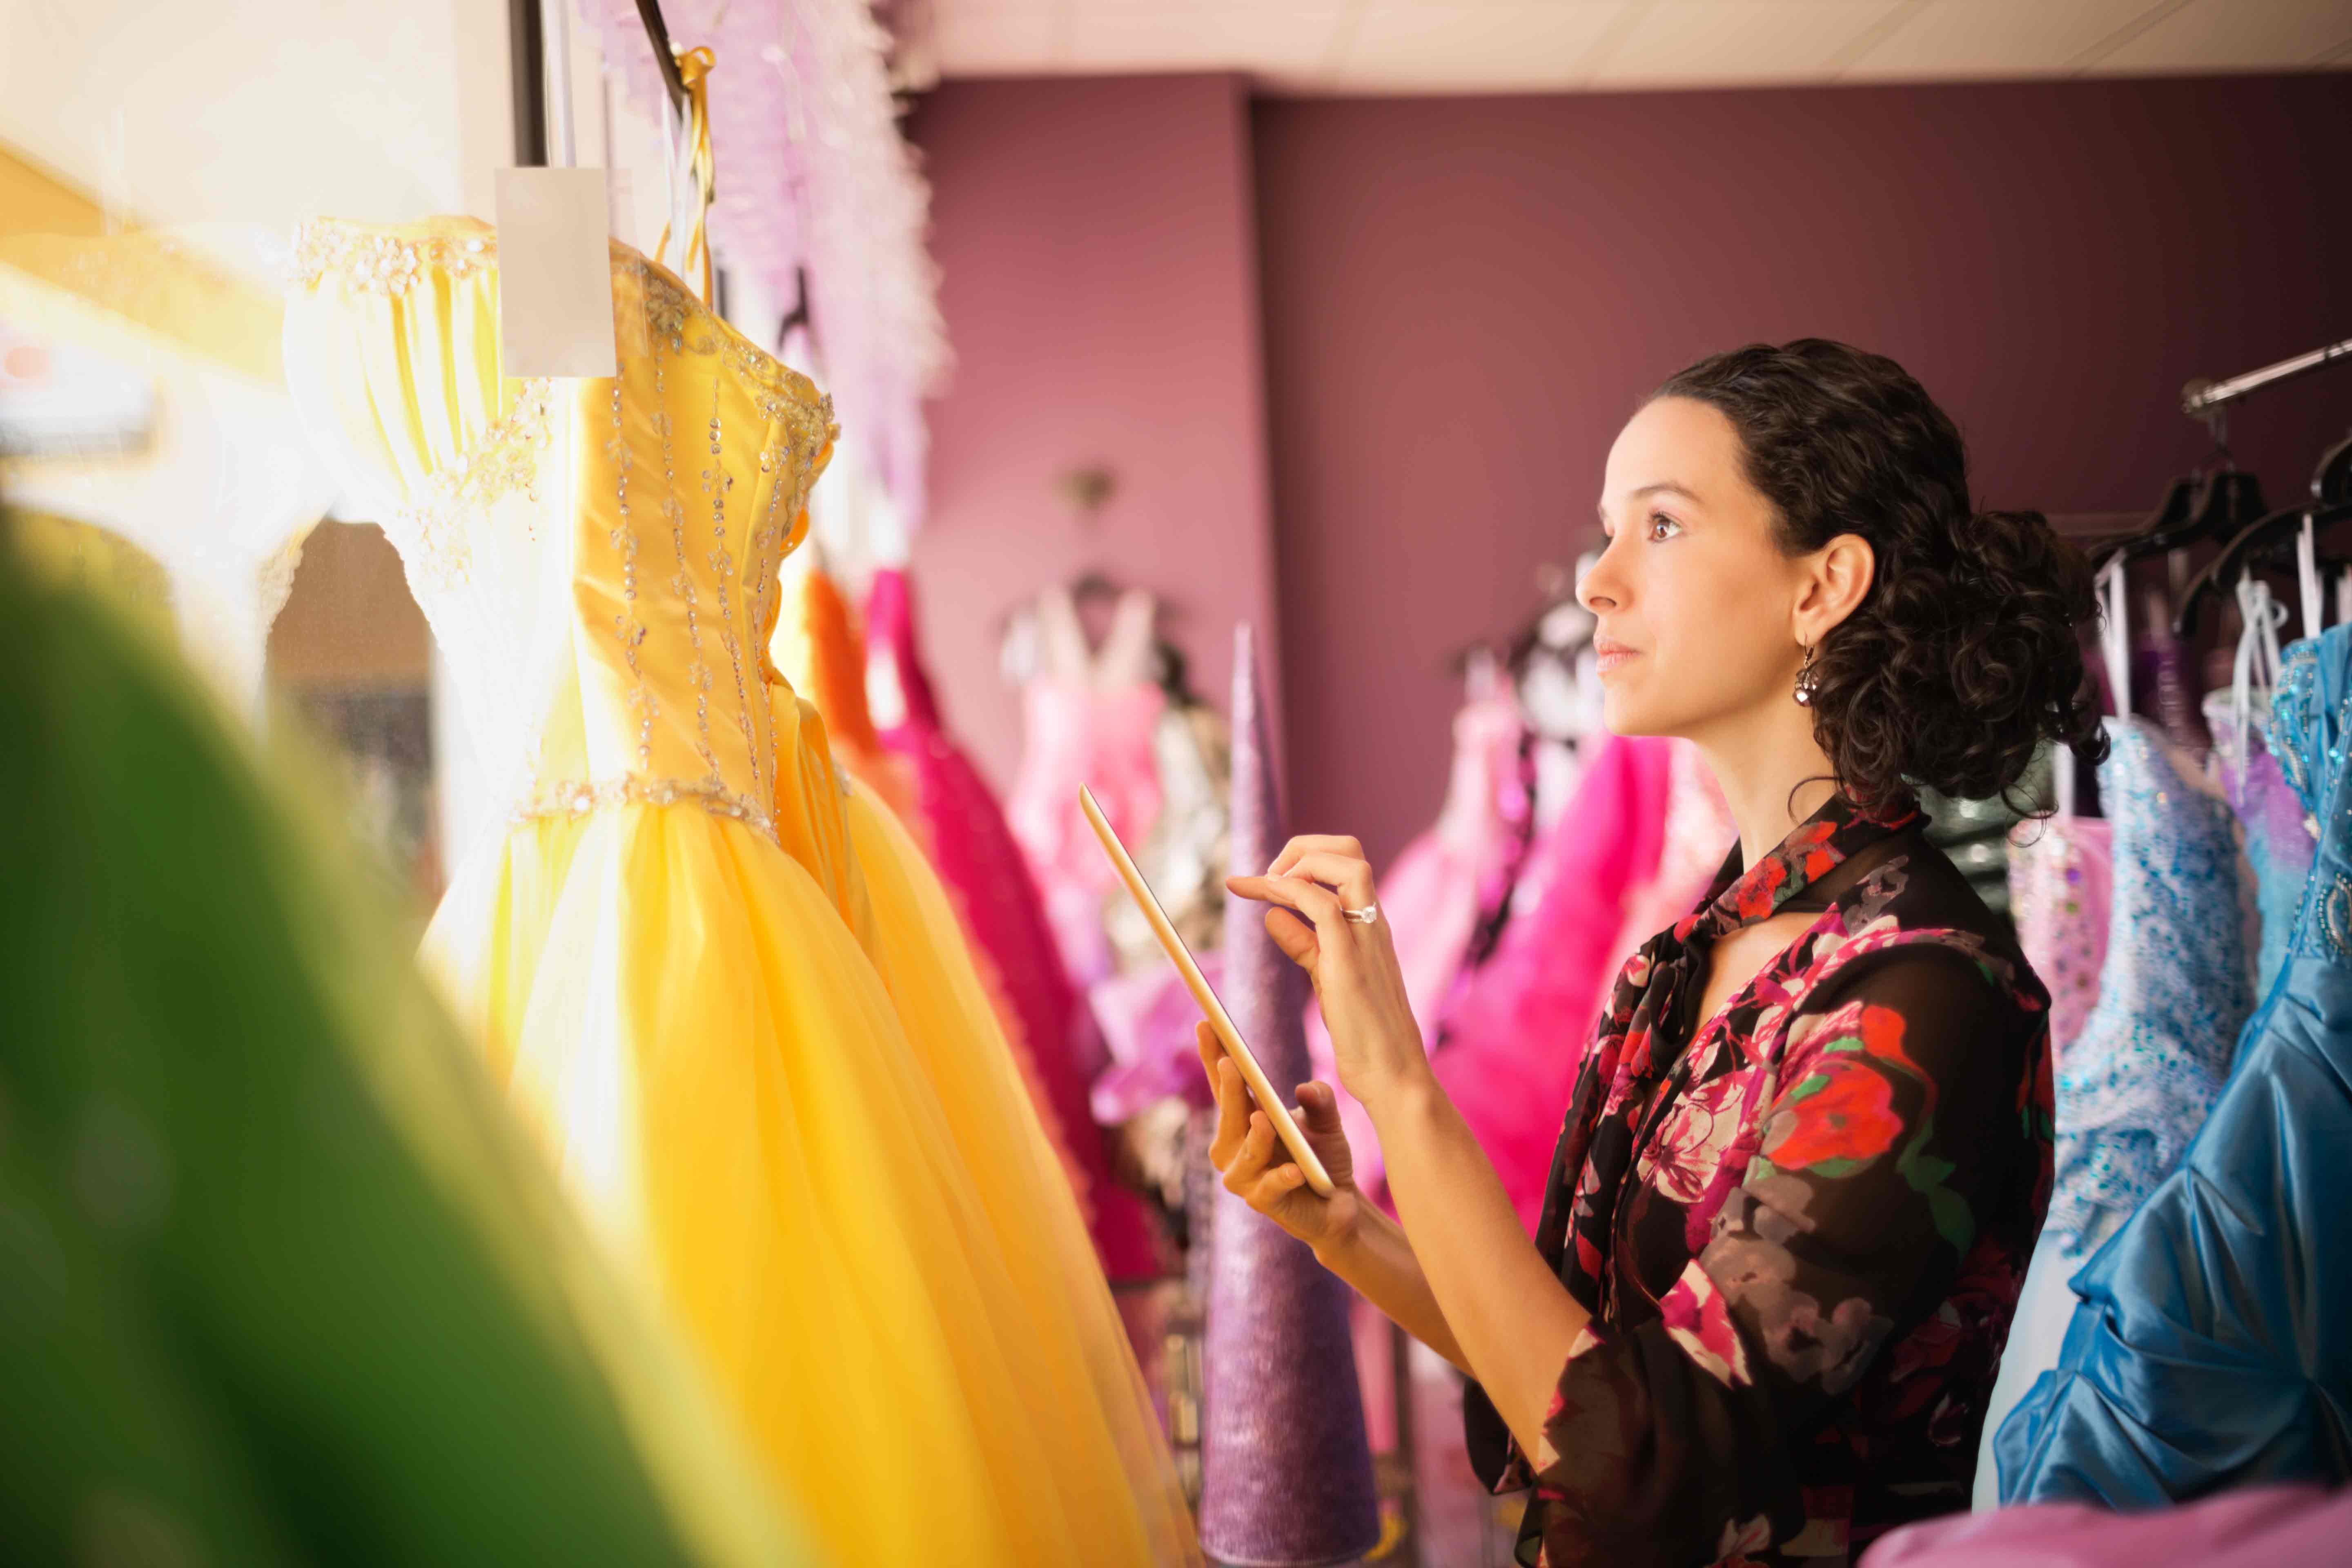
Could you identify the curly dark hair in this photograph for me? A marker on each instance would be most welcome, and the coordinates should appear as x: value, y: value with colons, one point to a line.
x: 1964, y: 654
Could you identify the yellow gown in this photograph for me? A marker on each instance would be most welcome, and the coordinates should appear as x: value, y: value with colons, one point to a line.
x: 723, y: 986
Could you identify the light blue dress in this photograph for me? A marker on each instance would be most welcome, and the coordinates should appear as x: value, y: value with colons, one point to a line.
x: 2212, y: 1345
x: 2176, y: 987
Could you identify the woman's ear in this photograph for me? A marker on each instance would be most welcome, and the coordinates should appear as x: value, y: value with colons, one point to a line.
x: 1839, y: 574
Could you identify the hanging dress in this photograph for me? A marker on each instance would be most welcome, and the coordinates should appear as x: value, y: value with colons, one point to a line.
x: 2148, y: 1059
x: 721, y: 985
x: 819, y: 647
x: 2178, y: 985
x: 2212, y: 1348
x: 1698, y: 828
x: 1147, y: 1016
x: 1515, y: 1039
x: 2061, y: 887
x: 2279, y: 845
x: 1089, y: 718
x: 1442, y: 887
x: 983, y: 870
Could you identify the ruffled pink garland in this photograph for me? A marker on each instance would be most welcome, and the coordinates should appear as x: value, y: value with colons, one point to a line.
x: 812, y: 172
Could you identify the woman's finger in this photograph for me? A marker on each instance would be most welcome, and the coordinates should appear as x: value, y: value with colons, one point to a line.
x: 1232, y: 1105
x: 1258, y: 1147
x: 1249, y: 1162
x: 1318, y: 904
x: 1274, y: 1186
x: 1345, y: 875
x: 1319, y: 1108
x: 1314, y: 844
x: 1296, y: 938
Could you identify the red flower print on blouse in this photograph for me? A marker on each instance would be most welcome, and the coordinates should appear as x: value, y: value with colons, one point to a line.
x: 1881, y: 1036
x: 1755, y: 898
x: 1844, y: 1111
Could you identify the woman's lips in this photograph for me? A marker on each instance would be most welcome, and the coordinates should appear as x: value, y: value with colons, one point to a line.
x: 1610, y: 655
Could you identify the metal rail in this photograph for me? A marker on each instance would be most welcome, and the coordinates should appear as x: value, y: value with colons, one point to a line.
x: 2199, y: 398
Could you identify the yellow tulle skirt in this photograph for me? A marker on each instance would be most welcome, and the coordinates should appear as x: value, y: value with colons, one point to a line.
x: 802, y: 1130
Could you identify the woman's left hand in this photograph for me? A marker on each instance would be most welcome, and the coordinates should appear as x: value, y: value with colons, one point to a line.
x: 1374, y: 1037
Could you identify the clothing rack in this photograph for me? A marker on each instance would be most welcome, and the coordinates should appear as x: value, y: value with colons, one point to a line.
x: 2201, y: 398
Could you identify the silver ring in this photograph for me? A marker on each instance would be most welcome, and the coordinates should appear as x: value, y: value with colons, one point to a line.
x: 1364, y: 916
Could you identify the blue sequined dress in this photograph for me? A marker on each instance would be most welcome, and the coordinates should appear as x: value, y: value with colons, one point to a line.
x: 2176, y: 987
x: 2213, y: 1347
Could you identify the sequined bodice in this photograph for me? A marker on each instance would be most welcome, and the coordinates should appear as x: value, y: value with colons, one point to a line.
x: 2175, y: 989
x: 598, y: 557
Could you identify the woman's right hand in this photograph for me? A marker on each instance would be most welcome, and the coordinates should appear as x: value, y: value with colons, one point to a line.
x: 1258, y: 1170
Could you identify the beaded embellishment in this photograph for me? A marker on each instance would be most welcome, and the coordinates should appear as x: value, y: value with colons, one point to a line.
x: 384, y: 264
x: 504, y: 460
x: 580, y: 797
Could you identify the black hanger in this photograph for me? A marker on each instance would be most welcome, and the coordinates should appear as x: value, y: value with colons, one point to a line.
x: 1171, y: 674
x: 2265, y: 544
x: 798, y: 316
x: 2216, y: 506
x: 2269, y: 540
x: 2331, y: 482
x: 2155, y: 535
x: 665, y: 57
x: 2209, y: 504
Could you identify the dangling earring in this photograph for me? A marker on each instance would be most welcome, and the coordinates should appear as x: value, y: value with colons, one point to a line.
x: 1807, y: 682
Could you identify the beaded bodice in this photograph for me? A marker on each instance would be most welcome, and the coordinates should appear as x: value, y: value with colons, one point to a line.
x: 2176, y: 987
x: 598, y: 557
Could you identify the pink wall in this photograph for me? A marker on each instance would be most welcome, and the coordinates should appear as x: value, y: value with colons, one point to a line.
x: 1464, y: 297
x: 1099, y: 276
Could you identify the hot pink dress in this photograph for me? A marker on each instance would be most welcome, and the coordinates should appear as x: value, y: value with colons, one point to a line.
x: 1515, y: 1035
x: 1699, y: 832
x: 1442, y: 886
x: 976, y: 858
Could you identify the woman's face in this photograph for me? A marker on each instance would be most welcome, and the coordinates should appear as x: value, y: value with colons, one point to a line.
x: 1697, y: 606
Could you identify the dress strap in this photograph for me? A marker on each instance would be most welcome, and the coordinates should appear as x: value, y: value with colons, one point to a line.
x: 694, y: 68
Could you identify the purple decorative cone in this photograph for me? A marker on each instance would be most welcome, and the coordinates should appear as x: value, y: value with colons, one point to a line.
x: 1286, y: 1472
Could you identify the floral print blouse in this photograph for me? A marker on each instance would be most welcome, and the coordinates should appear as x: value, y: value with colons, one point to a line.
x: 1800, y: 1226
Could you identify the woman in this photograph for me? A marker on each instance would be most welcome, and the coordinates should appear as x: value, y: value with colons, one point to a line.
x: 1809, y: 1149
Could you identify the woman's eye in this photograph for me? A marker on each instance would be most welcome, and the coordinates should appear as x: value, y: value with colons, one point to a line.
x: 1663, y: 527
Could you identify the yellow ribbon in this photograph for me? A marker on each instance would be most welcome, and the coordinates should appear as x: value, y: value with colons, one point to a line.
x: 694, y: 67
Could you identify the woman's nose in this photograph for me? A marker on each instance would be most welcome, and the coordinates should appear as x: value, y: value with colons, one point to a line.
x: 1601, y: 586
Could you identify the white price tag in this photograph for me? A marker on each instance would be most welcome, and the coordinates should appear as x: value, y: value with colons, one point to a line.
x: 555, y: 273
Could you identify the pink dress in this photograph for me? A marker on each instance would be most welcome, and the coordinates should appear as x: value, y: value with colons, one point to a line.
x: 1090, y: 721
x: 2061, y: 872
x: 2257, y: 1528
x: 1442, y: 885
x: 1699, y: 833
x: 1516, y: 1035
x: 975, y: 854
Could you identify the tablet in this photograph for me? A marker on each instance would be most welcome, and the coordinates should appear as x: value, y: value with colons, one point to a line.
x: 1284, y: 1127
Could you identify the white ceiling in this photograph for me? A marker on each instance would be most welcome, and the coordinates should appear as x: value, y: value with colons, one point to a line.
x: 1551, y: 46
